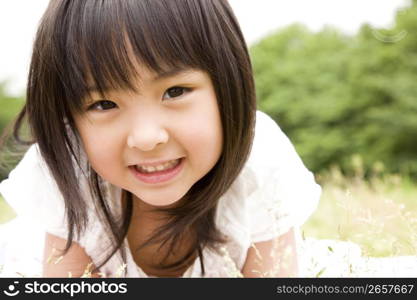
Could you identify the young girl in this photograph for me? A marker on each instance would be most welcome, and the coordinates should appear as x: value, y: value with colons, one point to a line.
x: 146, y: 157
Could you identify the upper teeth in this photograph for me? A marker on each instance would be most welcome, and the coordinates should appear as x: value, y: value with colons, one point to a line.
x: 161, y: 167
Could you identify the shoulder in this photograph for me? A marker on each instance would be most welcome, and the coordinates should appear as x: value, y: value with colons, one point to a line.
x: 28, y: 183
x: 285, y: 193
x: 273, y: 161
x: 270, y: 145
x: 32, y: 192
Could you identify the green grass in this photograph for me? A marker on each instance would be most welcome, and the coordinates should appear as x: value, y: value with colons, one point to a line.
x: 6, y: 212
x: 380, y: 215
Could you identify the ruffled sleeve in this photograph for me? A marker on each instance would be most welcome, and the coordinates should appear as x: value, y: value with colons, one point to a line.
x: 33, y: 194
x: 287, y: 193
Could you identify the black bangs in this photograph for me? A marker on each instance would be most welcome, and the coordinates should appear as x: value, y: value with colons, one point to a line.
x: 105, y: 41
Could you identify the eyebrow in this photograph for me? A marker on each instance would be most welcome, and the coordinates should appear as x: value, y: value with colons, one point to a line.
x: 171, y: 73
x: 158, y: 77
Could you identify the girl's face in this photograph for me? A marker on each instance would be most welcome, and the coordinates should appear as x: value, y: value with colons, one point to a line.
x: 173, y: 115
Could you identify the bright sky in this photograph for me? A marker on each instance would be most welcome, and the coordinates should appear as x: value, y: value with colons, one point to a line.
x: 19, y: 19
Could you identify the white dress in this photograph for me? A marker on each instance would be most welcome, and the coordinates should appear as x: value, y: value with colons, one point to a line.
x: 273, y: 193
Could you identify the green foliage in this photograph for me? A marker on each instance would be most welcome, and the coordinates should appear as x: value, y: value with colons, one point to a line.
x: 337, y: 96
x: 9, y: 108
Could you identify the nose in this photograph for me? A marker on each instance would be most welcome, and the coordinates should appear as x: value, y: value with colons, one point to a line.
x: 146, y: 133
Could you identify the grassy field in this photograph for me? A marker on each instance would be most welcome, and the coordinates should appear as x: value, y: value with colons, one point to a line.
x: 380, y: 215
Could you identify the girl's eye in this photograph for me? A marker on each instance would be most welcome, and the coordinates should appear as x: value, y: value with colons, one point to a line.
x: 175, y: 92
x: 102, y: 105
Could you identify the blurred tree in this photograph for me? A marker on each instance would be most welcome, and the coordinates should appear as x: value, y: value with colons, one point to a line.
x: 9, y: 108
x: 337, y: 96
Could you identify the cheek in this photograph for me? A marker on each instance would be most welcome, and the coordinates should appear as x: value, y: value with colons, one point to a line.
x: 204, y: 138
x: 101, y: 151
x: 205, y: 133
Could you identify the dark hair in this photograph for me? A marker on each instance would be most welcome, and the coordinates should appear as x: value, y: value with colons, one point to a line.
x: 79, y: 41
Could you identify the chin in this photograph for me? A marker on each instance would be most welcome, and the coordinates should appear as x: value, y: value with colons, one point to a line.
x: 154, y: 199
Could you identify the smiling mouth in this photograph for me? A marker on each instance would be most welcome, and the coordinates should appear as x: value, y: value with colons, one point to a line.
x: 158, y: 176
x: 158, y: 169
